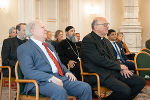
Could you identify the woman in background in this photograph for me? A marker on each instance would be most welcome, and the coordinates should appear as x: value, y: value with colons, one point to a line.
x: 124, y: 46
x: 58, y: 38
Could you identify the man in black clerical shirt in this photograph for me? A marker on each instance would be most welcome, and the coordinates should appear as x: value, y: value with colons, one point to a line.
x: 98, y: 57
x: 69, y: 52
x: 9, y: 49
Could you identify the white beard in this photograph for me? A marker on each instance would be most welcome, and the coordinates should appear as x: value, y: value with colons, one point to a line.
x: 73, y: 39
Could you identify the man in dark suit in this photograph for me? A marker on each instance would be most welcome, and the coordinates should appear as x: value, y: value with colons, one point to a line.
x: 98, y: 57
x: 147, y: 44
x: 117, y: 49
x: 9, y: 49
x: 40, y: 62
x: 68, y: 51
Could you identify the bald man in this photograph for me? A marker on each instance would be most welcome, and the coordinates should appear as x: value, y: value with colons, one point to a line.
x: 40, y: 62
x: 98, y: 57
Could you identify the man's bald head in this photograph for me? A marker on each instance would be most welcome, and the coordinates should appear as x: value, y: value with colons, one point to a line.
x: 96, y: 19
x: 100, y: 26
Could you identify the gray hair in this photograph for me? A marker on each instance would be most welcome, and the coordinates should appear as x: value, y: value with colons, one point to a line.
x: 94, y: 23
x: 28, y: 28
x: 119, y: 33
x: 57, y: 33
x: 11, y: 29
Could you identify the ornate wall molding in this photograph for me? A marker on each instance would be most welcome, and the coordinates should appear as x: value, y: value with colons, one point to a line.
x: 131, y: 26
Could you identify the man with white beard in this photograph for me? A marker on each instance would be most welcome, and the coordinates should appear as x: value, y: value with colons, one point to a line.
x: 69, y: 52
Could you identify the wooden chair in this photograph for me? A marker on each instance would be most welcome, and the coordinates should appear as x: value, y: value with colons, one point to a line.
x: 142, y: 64
x: 145, y: 50
x: 21, y: 84
x: 99, y: 89
x: 9, y: 78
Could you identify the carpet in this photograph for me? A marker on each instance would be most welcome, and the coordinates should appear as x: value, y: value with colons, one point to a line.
x: 144, y: 95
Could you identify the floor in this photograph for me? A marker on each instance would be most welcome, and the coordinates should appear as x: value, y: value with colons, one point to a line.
x: 144, y: 95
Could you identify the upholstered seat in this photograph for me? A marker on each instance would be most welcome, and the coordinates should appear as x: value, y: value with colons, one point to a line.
x: 21, y: 84
x: 142, y: 64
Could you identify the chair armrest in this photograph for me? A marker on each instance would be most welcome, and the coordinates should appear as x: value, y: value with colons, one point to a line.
x: 98, y: 80
x: 143, y: 69
x: 131, y: 60
x: 5, y: 67
x: 30, y: 81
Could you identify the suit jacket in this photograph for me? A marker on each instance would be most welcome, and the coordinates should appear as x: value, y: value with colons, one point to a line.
x: 98, y: 57
x: 122, y: 54
x: 147, y: 44
x: 34, y: 64
x: 9, y: 51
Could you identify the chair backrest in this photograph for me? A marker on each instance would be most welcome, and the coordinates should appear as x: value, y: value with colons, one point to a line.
x: 1, y: 64
x: 145, y: 50
x: 142, y: 60
x: 19, y: 75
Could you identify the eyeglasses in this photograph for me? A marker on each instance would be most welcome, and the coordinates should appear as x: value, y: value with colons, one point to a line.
x: 105, y: 24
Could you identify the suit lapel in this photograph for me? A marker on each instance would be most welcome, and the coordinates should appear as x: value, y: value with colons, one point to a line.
x: 39, y: 49
x: 15, y: 43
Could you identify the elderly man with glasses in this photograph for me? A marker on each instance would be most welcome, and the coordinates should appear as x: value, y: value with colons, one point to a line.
x: 98, y: 57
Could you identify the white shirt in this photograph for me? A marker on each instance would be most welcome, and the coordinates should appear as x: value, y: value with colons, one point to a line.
x: 112, y: 42
x: 39, y: 43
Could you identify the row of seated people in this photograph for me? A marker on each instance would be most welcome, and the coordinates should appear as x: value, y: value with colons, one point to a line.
x: 97, y: 54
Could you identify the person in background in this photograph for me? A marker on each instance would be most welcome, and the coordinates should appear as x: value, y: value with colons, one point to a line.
x: 59, y: 36
x: 9, y: 49
x: 117, y: 49
x: 49, y: 36
x: 58, y: 39
x: 78, y: 36
x: 124, y: 46
x: 98, y: 57
x: 147, y: 44
x: 12, y: 32
x: 40, y: 62
x: 69, y: 53
x: 78, y: 43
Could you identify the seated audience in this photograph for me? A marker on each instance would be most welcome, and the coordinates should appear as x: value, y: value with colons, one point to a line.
x: 69, y: 53
x: 147, y: 44
x: 98, y: 57
x: 78, y: 36
x: 58, y: 38
x: 117, y: 49
x: 40, y: 62
x: 124, y: 46
x: 12, y: 32
x: 49, y: 36
x: 9, y: 49
x: 79, y: 43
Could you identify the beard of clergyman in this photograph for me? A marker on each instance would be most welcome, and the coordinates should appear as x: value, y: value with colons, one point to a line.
x: 72, y: 38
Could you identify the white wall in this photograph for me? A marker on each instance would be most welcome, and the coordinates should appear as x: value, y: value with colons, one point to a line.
x: 8, y: 19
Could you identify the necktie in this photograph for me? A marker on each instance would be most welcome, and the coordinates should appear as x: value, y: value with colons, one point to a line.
x: 54, y: 59
x: 118, y: 51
